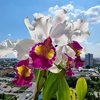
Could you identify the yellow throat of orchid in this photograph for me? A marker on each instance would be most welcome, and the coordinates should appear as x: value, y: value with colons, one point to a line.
x: 24, y: 71
x: 78, y: 52
x: 69, y: 62
x: 44, y: 51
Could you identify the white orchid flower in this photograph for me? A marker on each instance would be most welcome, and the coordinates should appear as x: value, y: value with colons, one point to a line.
x: 59, y: 29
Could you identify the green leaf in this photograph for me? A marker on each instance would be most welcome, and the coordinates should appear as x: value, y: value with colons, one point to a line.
x: 63, y: 89
x: 36, y: 74
x: 50, y: 86
x: 81, y: 88
x: 41, y: 83
x: 36, y: 71
x: 56, y: 84
x: 72, y: 94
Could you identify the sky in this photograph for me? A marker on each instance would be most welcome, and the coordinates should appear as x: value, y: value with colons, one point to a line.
x: 13, y: 12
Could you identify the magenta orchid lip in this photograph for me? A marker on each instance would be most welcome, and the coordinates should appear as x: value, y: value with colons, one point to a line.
x: 24, y: 74
x: 43, y: 55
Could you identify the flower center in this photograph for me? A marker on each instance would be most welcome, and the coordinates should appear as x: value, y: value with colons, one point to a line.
x: 23, y: 71
x: 45, y: 51
x: 78, y: 52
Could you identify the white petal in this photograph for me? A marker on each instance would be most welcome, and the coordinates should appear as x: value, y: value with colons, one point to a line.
x: 80, y: 37
x: 59, y: 17
x: 38, y: 16
x: 23, y: 47
x: 62, y: 40
x: 58, y: 30
x: 27, y: 23
x: 81, y: 25
x: 58, y: 54
x: 70, y: 52
x: 54, y: 69
x: 40, y: 28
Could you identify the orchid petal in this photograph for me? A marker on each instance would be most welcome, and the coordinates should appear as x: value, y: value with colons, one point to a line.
x: 58, y: 30
x: 80, y: 37
x: 80, y: 25
x: 23, y: 47
x: 42, y: 23
x: 40, y: 27
x: 58, y: 56
x: 62, y: 40
x: 54, y: 69
x: 70, y: 52
x: 60, y: 16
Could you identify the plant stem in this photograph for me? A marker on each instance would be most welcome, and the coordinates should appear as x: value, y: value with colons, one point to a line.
x: 36, y: 87
x: 44, y: 74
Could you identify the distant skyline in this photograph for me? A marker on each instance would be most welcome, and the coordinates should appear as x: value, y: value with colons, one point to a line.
x: 13, y: 12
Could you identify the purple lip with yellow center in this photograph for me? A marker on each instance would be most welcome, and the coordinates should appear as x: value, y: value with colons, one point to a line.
x: 77, y: 48
x: 24, y: 74
x: 70, y: 59
x: 69, y: 72
x: 43, y: 54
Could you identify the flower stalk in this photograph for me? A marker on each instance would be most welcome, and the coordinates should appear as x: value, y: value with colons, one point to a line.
x: 36, y: 87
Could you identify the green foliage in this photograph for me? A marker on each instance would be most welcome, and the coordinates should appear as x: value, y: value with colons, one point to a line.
x: 81, y: 88
x: 7, y: 96
x: 72, y: 94
x: 63, y: 92
x: 22, y: 89
x: 56, y: 84
x: 50, y: 86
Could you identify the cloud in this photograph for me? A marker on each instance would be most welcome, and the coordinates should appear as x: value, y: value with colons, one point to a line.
x: 92, y: 15
x: 92, y: 48
x: 6, y: 48
x: 53, y: 9
x: 68, y: 7
x: 9, y: 34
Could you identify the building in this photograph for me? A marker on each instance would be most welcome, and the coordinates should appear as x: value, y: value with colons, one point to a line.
x: 6, y: 62
x: 6, y: 71
x: 97, y: 61
x: 89, y: 60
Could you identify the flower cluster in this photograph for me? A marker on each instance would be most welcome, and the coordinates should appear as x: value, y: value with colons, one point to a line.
x: 77, y: 61
x: 50, y: 40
